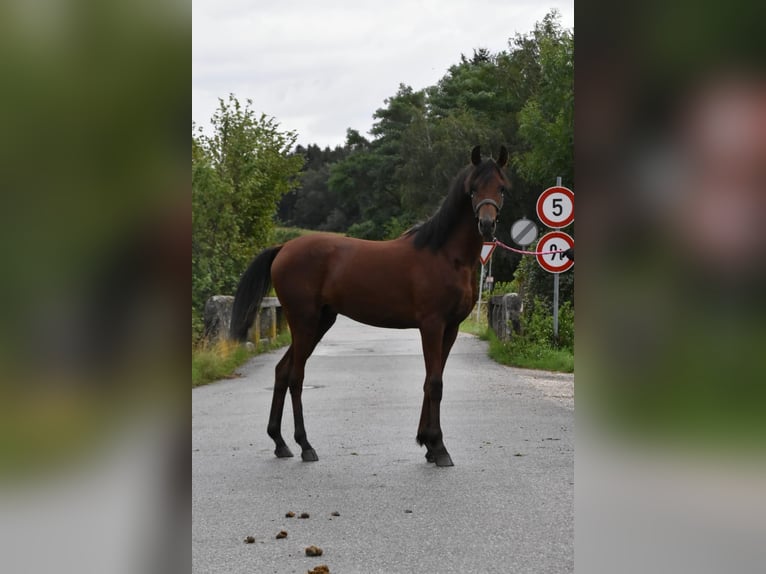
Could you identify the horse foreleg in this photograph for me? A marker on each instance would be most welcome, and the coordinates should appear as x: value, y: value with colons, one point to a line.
x: 430, y: 433
x: 281, y: 378
x: 450, y: 334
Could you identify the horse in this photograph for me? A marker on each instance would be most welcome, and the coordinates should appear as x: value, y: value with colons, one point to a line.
x: 425, y: 279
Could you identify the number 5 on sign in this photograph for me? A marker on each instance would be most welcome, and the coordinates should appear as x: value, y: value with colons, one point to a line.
x: 555, y: 207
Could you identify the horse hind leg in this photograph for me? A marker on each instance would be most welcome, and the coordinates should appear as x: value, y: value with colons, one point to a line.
x: 424, y: 424
x: 304, y: 342
x: 281, y: 380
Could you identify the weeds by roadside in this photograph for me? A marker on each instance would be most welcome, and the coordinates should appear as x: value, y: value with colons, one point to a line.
x: 220, y: 361
x: 474, y: 327
x: 534, y: 348
x: 521, y: 353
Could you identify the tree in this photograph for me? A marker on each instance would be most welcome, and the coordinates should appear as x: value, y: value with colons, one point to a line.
x: 239, y: 173
x: 521, y: 98
x: 546, y: 123
x: 311, y: 204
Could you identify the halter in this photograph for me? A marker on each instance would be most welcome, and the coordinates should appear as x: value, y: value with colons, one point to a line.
x: 487, y: 201
x: 491, y: 202
x: 478, y: 206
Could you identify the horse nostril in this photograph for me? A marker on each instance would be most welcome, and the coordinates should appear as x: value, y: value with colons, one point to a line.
x: 487, y: 226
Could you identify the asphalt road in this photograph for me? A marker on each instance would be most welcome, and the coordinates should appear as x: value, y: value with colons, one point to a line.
x: 506, y: 505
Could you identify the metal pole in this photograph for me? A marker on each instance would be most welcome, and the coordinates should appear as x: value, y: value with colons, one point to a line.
x: 556, y: 292
x: 556, y: 305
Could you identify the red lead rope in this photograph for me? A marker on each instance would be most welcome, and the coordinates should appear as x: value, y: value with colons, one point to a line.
x: 504, y: 246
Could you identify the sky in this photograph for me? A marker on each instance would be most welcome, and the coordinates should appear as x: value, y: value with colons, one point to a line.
x: 320, y: 67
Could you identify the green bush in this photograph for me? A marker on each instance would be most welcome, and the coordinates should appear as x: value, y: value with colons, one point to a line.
x: 566, y: 326
x: 198, y: 327
x: 536, y: 347
x: 537, y: 325
x: 396, y: 226
x: 503, y: 287
x: 533, y: 282
x: 239, y: 173
x: 285, y: 234
x: 364, y: 230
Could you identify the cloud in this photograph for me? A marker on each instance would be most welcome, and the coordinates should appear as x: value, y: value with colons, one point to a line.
x: 320, y: 68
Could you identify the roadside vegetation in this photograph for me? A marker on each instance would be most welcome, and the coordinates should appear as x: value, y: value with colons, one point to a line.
x: 519, y: 352
x: 535, y: 347
x: 220, y: 361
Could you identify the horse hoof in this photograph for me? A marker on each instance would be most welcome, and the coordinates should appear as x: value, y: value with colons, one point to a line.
x: 430, y: 457
x: 283, y: 452
x: 309, y: 455
x: 444, y: 460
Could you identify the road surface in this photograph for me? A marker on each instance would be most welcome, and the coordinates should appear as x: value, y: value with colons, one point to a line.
x: 506, y: 505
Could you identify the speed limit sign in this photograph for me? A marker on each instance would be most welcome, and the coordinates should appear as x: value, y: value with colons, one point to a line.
x: 555, y: 207
x: 551, y: 248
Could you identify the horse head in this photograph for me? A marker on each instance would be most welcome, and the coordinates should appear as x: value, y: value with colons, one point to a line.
x: 486, y: 187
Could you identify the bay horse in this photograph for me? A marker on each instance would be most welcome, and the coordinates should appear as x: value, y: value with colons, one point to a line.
x: 426, y: 279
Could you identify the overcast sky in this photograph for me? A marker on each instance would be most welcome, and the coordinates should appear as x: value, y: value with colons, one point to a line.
x: 322, y: 66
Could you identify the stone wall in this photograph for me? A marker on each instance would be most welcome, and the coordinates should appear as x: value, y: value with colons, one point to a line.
x: 217, y: 317
x: 504, y: 315
x: 268, y: 323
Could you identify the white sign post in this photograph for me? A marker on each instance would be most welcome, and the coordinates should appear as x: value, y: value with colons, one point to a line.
x: 484, y: 256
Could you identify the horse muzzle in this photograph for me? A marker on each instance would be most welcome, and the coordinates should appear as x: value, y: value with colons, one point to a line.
x: 487, y: 218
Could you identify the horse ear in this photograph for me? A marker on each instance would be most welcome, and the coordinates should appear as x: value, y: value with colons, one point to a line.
x: 503, y: 159
x: 476, y: 155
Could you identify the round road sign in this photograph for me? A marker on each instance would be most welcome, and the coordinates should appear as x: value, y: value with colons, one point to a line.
x: 555, y: 207
x: 523, y: 231
x: 555, y: 241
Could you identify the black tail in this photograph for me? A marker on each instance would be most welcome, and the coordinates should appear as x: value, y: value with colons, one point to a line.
x: 252, y: 288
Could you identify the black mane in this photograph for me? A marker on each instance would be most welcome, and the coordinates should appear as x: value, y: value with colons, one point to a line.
x: 435, y: 231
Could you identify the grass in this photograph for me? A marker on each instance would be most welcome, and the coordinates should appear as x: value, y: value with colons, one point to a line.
x: 474, y: 327
x: 518, y: 352
x: 220, y: 361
